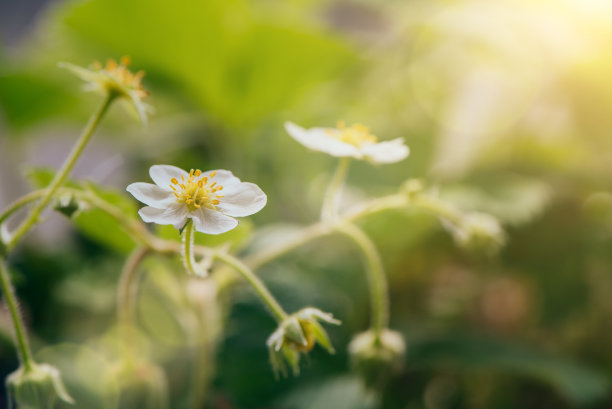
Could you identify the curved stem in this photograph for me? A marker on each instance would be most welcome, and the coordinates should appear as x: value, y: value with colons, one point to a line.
x: 61, y: 175
x: 127, y: 285
x: 25, y: 354
x: 256, y: 283
x: 188, y: 259
x: 439, y: 208
x: 305, y: 235
x: 329, y: 211
x: 379, y: 296
x: 20, y: 202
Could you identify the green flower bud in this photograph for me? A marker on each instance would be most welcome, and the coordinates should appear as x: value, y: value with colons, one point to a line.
x: 67, y: 205
x: 412, y: 188
x: 36, y: 388
x: 376, y: 359
x: 298, y: 334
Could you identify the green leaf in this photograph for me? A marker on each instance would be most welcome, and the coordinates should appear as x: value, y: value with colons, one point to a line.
x: 104, y: 229
x: 575, y: 381
x: 513, y: 200
x: 27, y: 97
x: 41, y: 177
x: 344, y: 392
x: 237, y: 65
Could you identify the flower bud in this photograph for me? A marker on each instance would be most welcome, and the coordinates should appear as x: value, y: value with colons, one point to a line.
x: 298, y: 334
x: 67, y: 205
x: 377, y: 358
x: 36, y: 388
x: 412, y: 188
x: 479, y: 232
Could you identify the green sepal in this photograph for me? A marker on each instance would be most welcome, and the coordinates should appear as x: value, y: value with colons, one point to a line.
x: 67, y: 205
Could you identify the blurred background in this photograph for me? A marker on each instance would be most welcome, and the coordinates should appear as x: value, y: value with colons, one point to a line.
x: 505, y: 106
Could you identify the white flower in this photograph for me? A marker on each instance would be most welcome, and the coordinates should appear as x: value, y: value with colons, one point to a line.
x: 210, y: 198
x: 355, y: 141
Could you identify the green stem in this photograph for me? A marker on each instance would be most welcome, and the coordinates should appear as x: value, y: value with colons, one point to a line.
x: 379, y: 297
x: 305, y: 235
x: 256, y: 283
x: 23, y: 345
x: 61, y: 175
x: 329, y: 210
x: 127, y: 291
x: 188, y: 259
x: 439, y: 208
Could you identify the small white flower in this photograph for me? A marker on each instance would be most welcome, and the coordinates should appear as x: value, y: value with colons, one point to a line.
x: 355, y: 141
x: 210, y: 198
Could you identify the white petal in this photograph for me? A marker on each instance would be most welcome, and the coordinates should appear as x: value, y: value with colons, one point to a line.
x: 151, y: 194
x: 162, y: 174
x: 223, y: 177
x: 242, y: 200
x: 139, y: 106
x: 212, y: 222
x: 386, y: 152
x: 175, y: 214
x: 83, y: 73
x: 319, y: 139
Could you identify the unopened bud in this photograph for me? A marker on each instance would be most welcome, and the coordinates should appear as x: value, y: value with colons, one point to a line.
x: 67, y: 204
x: 377, y: 358
x: 412, y: 188
x: 38, y: 387
x: 298, y: 334
x: 479, y: 232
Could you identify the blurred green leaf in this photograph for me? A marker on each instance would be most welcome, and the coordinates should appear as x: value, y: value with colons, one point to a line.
x: 40, y: 178
x: 344, y: 392
x: 27, y: 97
x: 237, y: 65
x: 104, y: 229
x: 514, y: 200
x: 576, y: 382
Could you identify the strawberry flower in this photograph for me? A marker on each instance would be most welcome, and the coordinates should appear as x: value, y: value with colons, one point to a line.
x: 115, y: 79
x: 355, y: 141
x: 211, y: 199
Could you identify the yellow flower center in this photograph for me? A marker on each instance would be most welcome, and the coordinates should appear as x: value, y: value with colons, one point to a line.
x: 120, y: 78
x: 356, y: 135
x: 197, y: 192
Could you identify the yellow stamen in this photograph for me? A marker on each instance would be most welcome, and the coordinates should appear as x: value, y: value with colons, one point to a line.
x: 356, y: 135
x: 195, y: 192
x: 212, y: 175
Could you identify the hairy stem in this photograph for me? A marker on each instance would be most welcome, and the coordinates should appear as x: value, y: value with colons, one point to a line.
x: 259, y: 287
x: 188, y: 258
x: 128, y: 285
x: 379, y: 297
x: 62, y: 174
x: 329, y: 211
x: 25, y: 354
